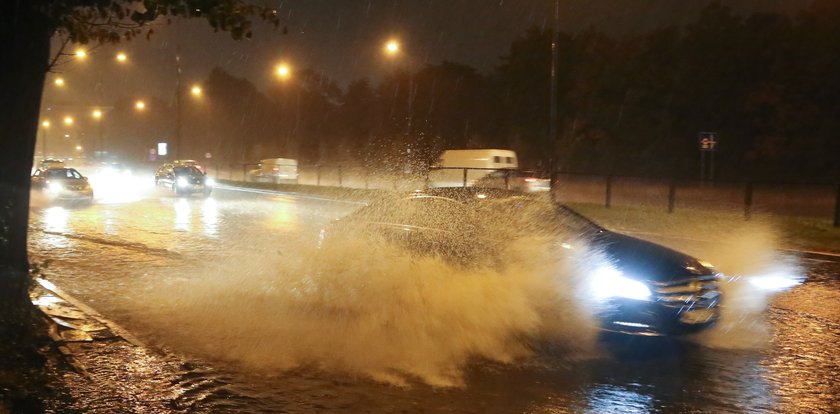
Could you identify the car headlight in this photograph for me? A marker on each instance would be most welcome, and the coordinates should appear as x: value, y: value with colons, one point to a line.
x: 56, y: 187
x: 182, y: 182
x: 609, y: 282
x: 209, y: 182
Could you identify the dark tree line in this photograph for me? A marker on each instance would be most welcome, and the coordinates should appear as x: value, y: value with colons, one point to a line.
x: 767, y: 84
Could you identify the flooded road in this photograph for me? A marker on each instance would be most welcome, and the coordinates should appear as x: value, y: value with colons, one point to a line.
x: 245, y: 315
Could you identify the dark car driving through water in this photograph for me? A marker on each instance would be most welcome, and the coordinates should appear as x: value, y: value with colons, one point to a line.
x: 637, y: 287
x: 184, y: 179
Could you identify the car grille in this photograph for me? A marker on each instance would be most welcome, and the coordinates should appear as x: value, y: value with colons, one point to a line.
x: 689, y: 293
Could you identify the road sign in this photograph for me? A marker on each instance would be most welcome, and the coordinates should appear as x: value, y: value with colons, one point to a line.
x: 707, y: 141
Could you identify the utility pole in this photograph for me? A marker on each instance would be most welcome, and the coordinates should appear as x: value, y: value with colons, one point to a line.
x: 177, y: 152
x: 552, y: 119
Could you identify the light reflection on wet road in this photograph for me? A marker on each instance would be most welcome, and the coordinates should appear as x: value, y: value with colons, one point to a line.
x: 112, y: 255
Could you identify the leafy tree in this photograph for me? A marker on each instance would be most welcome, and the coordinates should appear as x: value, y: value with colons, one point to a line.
x: 26, y: 28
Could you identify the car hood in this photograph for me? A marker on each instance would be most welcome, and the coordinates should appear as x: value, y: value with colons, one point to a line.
x: 69, y: 182
x: 644, y: 260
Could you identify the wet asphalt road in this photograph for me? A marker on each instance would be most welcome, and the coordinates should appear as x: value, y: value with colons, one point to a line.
x: 152, y: 263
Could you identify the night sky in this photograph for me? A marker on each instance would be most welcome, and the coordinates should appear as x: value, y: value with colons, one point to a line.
x: 345, y: 38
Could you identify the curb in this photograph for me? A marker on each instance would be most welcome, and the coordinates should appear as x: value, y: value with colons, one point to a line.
x: 71, y: 322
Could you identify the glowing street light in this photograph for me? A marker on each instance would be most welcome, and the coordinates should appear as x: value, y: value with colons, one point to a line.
x: 59, y: 82
x: 196, y: 90
x: 392, y: 47
x: 283, y: 71
x: 140, y: 105
x: 68, y: 120
x: 46, y: 123
x: 80, y: 54
x: 122, y: 57
x: 97, y: 114
x: 78, y: 147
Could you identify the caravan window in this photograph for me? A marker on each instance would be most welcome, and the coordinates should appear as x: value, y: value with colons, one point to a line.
x: 497, y: 159
x: 509, y: 160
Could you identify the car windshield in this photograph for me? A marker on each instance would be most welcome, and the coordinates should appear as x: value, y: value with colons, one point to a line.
x: 63, y: 174
x: 187, y: 170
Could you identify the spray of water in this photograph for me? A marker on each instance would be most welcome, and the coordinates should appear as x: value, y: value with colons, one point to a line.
x: 755, y: 272
x: 365, y: 307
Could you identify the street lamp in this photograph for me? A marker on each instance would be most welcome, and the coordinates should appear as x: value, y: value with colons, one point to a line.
x: 283, y: 71
x: 59, y: 82
x: 68, y: 120
x: 392, y: 47
x: 121, y: 57
x: 96, y: 114
x: 80, y: 54
x: 196, y: 90
x: 140, y: 105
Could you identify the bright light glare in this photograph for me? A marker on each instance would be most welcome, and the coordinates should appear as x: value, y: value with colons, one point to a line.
x: 97, y: 114
x: 609, y: 282
x: 196, y: 90
x: 59, y: 81
x: 209, y: 182
x: 392, y: 47
x: 81, y: 54
x: 775, y: 281
x: 140, y: 105
x: 182, y: 182
x: 45, y: 124
x: 121, y: 57
x: 78, y: 147
x: 68, y: 120
x: 283, y: 71
x: 112, y: 187
x: 56, y: 188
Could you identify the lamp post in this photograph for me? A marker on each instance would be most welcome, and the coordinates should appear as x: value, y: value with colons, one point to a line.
x: 392, y: 50
x: 284, y: 73
x: 45, y: 126
x: 97, y: 116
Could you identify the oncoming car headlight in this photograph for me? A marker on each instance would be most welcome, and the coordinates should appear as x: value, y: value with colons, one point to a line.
x: 209, y: 182
x: 182, y: 182
x: 609, y: 282
x: 55, y: 187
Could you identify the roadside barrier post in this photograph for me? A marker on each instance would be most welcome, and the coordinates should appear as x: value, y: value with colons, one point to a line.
x: 465, y: 177
x: 748, y: 200
x: 672, y: 195
x: 837, y: 207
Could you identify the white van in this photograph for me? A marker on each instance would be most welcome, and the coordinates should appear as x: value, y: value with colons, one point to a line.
x: 275, y: 170
x: 462, y: 168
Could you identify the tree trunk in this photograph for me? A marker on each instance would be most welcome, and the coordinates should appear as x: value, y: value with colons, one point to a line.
x: 26, y: 33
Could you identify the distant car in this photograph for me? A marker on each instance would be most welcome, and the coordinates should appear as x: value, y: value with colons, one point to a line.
x: 63, y: 184
x: 50, y: 163
x: 637, y: 288
x: 114, y: 168
x: 275, y: 170
x: 189, y: 163
x: 528, y: 181
x: 184, y: 180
